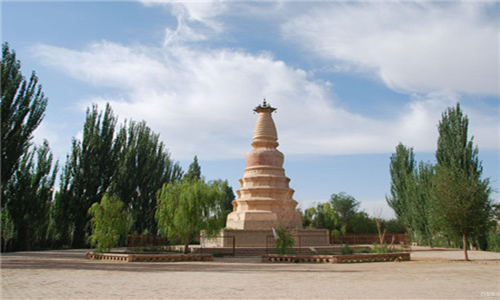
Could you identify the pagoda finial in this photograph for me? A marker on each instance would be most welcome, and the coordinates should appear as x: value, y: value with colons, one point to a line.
x: 264, y: 107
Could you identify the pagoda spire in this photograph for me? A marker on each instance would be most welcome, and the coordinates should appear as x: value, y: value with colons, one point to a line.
x: 264, y: 107
x: 265, y: 134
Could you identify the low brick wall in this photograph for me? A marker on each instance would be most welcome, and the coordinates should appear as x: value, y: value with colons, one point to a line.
x: 356, y: 239
x: 145, y: 240
x: 357, y: 258
x: 119, y: 257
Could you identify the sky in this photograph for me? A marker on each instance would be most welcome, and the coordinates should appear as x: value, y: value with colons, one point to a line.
x: 350, y: 79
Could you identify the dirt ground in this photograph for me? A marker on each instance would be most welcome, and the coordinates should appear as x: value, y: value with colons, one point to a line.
x: 67, y: 274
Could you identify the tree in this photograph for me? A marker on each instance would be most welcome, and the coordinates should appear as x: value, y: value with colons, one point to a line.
x: 28, y: 197
x: 109, y: 223
x: 61, y: 220
x: 361, y: 223
x: 419, y: 201
x: 88, y: 172
x: 194, y: 171
x: 345, y: 206
x: 187, y: 207
x: 143, y: 167
x: 401, y: 168
x: 323, y: 216
x: 23, y: 107
x: 7, y: 230
x: 228, y: 198
x: 461, y: 202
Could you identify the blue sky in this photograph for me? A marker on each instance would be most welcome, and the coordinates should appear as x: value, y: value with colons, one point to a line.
x: 350, y: 80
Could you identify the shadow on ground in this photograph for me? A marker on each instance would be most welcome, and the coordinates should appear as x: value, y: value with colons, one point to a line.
x: 75, y: 260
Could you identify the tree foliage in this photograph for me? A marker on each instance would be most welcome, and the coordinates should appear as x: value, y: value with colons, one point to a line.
x: 450, y: 199
x: 194, y: 170
x: 419, y: 203
x: 143, y: 167
x: 461, y: 202
x: 132, y: 164
x: 411, y: 188
x: 23, y: 108
x: 321, y: 216
x: 90, y: 168
x: 401, y: 168
x: 109, y: 223
x: 189, y: 206
x: 341, y: 215
x: 345, y: 207
x: 28, y: 197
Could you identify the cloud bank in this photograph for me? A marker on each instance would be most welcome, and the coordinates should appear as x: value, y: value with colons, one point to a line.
x: 412, y: 47
x: 200, y: 98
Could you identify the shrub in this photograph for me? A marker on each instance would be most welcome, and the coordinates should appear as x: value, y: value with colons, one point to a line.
x: 109, y: 223
x: 381, y: 248
x: 284, y: 241
x: 346, y: 250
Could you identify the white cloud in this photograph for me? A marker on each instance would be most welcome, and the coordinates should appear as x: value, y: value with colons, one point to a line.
x: 201, y: 100
x: 411, y: 47
x: 196, y: 20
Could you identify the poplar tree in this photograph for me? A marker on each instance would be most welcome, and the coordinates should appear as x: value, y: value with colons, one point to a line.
x: 87, y: 174
x: 420, y: 189
x: 27, y: 177
x: 144, y: 166
x: 23, y: 108
x: 461, y: 202
x: 402, y: 168
x: 194, y: 170
x: 28, y: 198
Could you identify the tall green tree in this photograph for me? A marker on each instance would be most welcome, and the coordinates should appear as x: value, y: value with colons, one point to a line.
x: 345, y: 206
x: 23, y: 108
x: 402, y: 168
x: 194, y: 170
x: 61, y: 219
x: 144, y: 166
x: 189, y: 206
x: 228, y: 197
x: 28, y: 198
x: 461, y: 202
x: 90, y: 168
x: 419, y: 211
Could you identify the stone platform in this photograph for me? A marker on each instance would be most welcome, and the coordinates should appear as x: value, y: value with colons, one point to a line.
x: 265, y: 238
x: 352, y: 258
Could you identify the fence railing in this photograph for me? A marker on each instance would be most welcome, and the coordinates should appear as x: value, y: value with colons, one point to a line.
x: 302, y: 243
x: 389, y: 238
x: 145, y: 240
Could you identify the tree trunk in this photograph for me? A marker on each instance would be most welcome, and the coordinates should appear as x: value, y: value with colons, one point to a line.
x: 186, y: 247
x: 465, y: 247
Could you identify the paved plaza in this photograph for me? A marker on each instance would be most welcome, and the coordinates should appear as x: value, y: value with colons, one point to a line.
x: 67, y: 274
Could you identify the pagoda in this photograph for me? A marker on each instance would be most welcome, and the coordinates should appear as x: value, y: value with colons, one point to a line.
x: 264, y: 199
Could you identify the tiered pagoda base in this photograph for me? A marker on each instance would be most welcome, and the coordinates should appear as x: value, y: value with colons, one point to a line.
x: 265, y: 238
